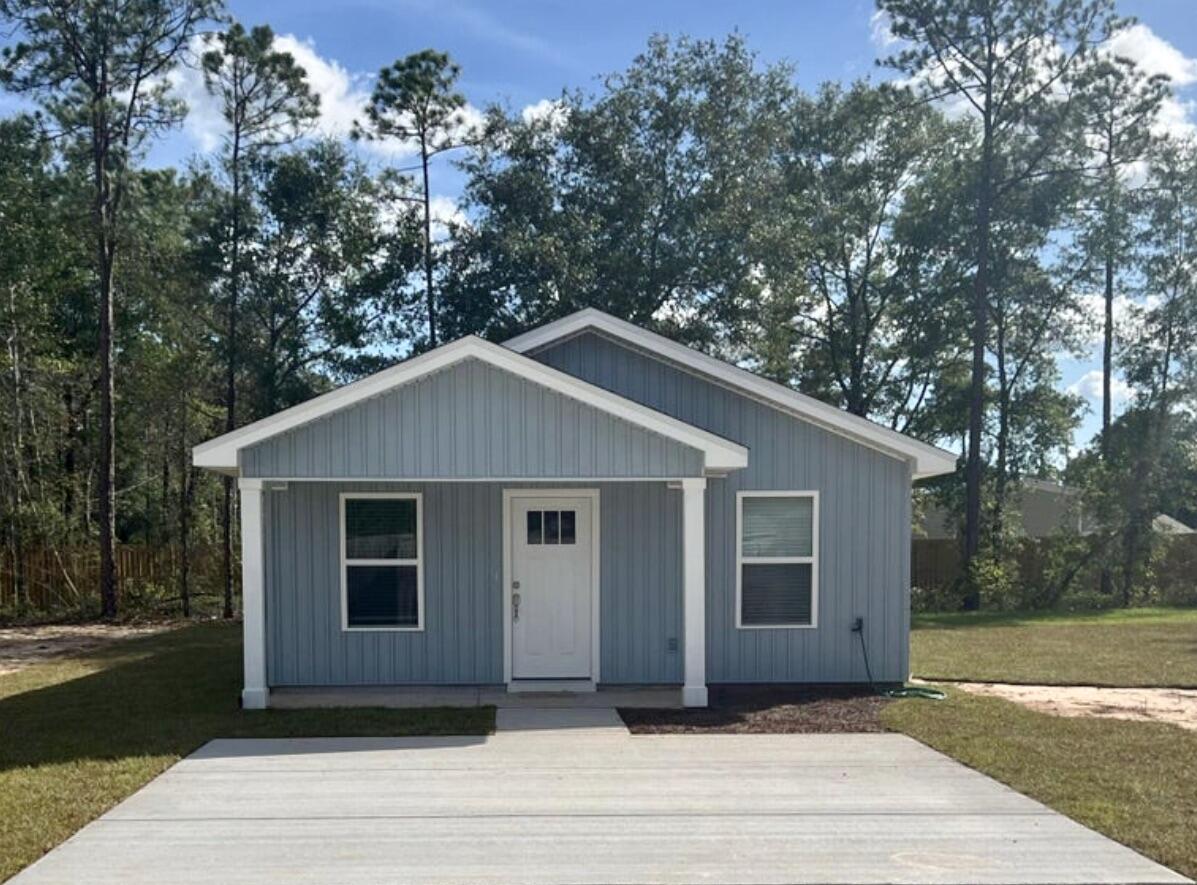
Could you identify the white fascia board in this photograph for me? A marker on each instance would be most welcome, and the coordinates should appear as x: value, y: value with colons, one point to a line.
x: 925, y: 459
x: 221, y: 453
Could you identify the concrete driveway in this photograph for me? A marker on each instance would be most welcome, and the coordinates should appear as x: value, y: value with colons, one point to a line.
x: 574, y: 798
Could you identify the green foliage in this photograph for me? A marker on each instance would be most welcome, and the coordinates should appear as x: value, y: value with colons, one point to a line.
x: 917, y: 255
x: 264, y: 94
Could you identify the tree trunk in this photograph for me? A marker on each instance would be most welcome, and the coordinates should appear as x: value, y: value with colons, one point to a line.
x: 108, y: 580
x: 1107, y: 371
x: 105, y: 234
x: 186, y: 501
x: 429, y: 295
x: 1001, y: 459
x: 17, y: 516
x: 230, y: 393
x: 976, y: 404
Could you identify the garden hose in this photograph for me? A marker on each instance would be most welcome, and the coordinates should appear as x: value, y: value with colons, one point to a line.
x: 906, y: 691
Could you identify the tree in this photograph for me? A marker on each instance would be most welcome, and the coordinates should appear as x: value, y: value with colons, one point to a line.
x: 415, y: 100
x: 1161, y: 358
x: 37, y: 265
x: 327, y: 262
x: 99, y: 68
x: 1013, y: 65
x: 869, y: 334
x: 1120, y: 107
x: 266, y: 102
x: 646, y: 201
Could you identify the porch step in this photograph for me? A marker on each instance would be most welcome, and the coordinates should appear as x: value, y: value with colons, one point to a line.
x: 533, y: 719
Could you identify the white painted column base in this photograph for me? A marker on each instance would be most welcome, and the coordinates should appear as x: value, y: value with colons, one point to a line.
x: 694, y: 595
x: 255, y: 698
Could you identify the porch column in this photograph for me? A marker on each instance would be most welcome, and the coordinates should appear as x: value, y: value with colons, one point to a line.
x: 253, y: 595
x: 694, y: 598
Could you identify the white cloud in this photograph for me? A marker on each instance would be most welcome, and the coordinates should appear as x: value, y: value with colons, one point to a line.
x: 879, y: 30
x: 1089, y: 386
x: 343, y: 96
x: 550, y: 110
x: 1093, y: 312
x: 1154, y: 54
x: 445, y: 212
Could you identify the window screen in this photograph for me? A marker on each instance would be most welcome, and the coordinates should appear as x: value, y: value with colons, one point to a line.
x: 777, y: 560
x: 382, y: 562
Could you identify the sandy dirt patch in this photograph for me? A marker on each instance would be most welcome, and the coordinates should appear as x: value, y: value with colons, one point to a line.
x: 21, y: 647
x: 1172, y: 705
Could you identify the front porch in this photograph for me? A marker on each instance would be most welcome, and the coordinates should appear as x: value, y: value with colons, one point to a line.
x: 633, y: 560
x: 400, y: 696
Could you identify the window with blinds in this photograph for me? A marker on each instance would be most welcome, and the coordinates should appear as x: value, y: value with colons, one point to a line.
x: 777, y: 559
x: 381, y: 569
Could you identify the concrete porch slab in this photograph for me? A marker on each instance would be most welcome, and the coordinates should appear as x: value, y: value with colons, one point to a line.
x: 298, y: 697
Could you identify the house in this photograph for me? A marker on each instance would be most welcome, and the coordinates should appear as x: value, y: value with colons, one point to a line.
x: 1045, y: 508
x: 590, y: 504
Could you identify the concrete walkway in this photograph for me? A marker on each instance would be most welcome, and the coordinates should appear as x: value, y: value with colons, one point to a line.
x: 567, y: 796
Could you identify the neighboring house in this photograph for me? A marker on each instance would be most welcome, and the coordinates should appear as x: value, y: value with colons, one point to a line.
x: 1045, y: 508
x: 590, y: 504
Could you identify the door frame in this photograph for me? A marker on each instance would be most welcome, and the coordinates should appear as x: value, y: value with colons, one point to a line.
x: 592, y: 494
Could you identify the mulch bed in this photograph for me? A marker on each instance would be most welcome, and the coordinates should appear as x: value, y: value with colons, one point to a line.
x: 768, y: 709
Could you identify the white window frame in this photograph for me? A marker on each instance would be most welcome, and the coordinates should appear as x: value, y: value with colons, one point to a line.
x: 812, y: 560
x: 418, y: 562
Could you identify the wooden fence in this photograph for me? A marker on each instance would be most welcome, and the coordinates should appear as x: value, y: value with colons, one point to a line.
x: 936, y: 563
x: 66, y: 578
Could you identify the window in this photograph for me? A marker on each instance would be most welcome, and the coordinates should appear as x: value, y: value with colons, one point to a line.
x: 382, y: 578
x: 777, y: 559
x: 552, y: 527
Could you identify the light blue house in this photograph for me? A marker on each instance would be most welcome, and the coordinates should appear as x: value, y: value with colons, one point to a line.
x: 589, y: 505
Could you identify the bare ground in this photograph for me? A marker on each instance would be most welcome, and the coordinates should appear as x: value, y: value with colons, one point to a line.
x: 22, y: 647
x: 1171, y: 705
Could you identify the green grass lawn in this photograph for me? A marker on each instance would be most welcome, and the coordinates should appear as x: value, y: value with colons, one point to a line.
x: 1135, y: 782
x: 79, y: 735
x: 1133, y: 647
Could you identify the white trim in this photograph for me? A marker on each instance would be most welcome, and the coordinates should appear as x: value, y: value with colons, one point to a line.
x: 928, y: 460
x: 418, y: 562
x: 694, y: 592
x: 542, y: 685
x: 720, y: 454
x: 255, y: 693
x: 812, y: 560
x: 509, y: 496
x: 347, y: 480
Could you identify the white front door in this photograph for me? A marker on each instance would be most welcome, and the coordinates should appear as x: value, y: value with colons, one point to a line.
x: 552, y: 582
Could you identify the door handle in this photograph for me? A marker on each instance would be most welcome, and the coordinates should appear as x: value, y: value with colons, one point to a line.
x: 515, y: 605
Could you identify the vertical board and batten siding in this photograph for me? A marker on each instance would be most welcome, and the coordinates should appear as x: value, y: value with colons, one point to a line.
x: 864, y: 534
x: 462, y: 643
x: 470, y: 420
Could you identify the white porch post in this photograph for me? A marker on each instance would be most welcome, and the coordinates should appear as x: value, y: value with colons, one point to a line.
x: 253, y: 595
x: 694, y: 581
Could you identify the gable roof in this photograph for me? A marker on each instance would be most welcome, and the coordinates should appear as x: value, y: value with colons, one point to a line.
x: 220, y: 454
x: 927, y: 460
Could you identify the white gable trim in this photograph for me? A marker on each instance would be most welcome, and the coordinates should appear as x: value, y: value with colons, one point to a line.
x: 221, y: 453
x: 926, y: 460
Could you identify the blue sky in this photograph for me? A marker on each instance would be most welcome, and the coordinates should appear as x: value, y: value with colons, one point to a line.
x: 519, y: 52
